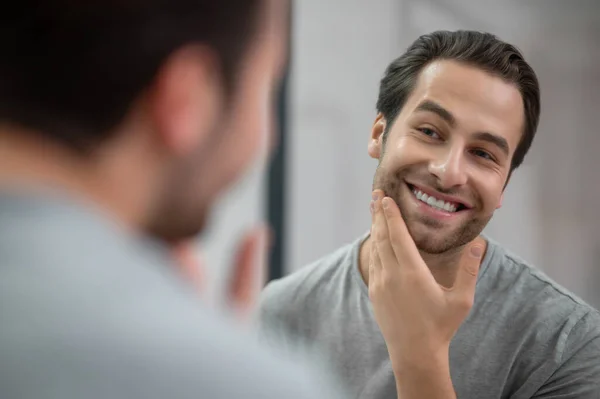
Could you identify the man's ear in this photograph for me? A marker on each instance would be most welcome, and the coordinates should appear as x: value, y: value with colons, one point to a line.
x: 186, y: 99
x: 376, y: 139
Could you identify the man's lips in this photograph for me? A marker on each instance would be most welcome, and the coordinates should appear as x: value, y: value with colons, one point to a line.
x: 460, y: 203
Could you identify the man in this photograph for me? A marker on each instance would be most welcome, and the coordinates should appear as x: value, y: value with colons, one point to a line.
x: 121, y: 122
x: 425, y: 306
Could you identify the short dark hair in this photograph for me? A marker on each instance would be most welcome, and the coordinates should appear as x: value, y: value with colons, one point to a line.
x: 71, y: 70
x: 479, y: 49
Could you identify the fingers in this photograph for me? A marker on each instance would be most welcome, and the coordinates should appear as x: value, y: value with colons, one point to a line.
x: 248, y: 270
x: 381, y: 237
x: 404, y: 247
x: 466, y: 278
x: 189, y: 263
x: 373, y: 266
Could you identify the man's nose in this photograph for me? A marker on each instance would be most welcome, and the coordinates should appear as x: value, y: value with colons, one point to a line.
x: 449, y: 167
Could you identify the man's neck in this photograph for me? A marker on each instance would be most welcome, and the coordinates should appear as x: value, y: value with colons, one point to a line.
x: 443, y: 267
x: 33, y: 165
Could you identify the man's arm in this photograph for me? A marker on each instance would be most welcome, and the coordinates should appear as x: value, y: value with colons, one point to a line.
x: 429, y: 378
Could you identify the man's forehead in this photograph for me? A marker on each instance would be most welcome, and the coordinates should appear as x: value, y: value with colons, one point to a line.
x: 448, y: 77
x: 470, y: 98
x: 454, y: 83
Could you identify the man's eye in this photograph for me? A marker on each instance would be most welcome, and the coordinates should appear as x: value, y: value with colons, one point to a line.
x: 429, y: 132
x: 482, y: 154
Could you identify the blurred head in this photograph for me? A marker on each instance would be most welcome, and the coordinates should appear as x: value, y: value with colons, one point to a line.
x: 176, y: 93
x: 457, y: 114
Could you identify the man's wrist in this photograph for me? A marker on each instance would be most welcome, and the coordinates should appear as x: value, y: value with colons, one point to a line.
x: 424, y: 360
x: 428, y: 373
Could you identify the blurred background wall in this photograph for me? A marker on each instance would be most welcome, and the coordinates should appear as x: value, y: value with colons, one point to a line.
x: 340, y: 49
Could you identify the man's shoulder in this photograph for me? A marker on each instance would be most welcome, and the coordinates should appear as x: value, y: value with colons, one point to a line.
x: 560, y: 331
x: 530, y: 296
x: 179, y: 349
x: 104, y: 307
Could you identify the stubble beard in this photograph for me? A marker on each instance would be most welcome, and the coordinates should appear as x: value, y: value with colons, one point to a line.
x: 431, y: 236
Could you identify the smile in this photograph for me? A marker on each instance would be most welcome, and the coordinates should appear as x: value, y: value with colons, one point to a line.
x: 437, y: 203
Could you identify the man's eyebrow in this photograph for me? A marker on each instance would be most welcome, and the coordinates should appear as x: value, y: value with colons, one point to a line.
x: 432, y: 106
x: 494, y: 139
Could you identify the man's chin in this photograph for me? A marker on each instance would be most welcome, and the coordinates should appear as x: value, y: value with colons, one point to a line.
x: 174, y: 230
x: 441, y: 236
x: 432, y: 240
x: 434, y: 247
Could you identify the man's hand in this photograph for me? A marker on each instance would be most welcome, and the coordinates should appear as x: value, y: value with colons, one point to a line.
x: 417, y: 316
x: 248, y: 268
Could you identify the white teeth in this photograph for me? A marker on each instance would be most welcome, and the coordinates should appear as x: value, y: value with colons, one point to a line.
x: 434, y: 202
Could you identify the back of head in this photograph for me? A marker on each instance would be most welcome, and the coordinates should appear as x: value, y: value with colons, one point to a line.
x: 71, y: 70
x: 479, y: 49
x: 171, y: 97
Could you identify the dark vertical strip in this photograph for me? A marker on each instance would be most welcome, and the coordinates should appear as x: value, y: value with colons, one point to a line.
x: 276, y: 178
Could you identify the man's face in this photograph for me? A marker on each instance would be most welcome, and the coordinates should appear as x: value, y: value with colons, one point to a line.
x: 241, y: 130
x: 447, y: 155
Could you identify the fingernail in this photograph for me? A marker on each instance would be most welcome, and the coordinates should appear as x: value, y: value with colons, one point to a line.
x: 473, y: 268
x: 376, y: 204
x: 375, y: 195
x: 476, y: 251
x: 385, y: 203
x: 372, y: 206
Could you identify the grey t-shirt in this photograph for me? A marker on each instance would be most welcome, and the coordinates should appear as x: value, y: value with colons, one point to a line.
x: 526, y: 337
x: 90, y: 311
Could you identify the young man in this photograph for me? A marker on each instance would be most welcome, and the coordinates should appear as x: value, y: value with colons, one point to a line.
x: 121, y: 122
x: 424, y: 306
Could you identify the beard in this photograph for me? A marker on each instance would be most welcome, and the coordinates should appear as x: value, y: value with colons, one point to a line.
x: 430, y: 235
x: 183, y: 203
x: 179, y: 214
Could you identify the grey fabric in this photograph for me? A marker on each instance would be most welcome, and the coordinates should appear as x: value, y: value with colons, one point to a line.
x: 90, y: 311
x: 526, y: 337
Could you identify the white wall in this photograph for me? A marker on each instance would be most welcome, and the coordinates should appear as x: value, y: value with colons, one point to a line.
x: 340, y: 50
x: 239, y: 209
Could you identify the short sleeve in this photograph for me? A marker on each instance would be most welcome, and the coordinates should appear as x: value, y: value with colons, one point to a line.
x: 578, y: 375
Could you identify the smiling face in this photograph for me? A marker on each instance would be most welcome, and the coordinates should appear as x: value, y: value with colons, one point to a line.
x: 447, y: 156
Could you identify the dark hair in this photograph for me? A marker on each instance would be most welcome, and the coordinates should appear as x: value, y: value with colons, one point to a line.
x: 483, y: 50
x: 70, y: 70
